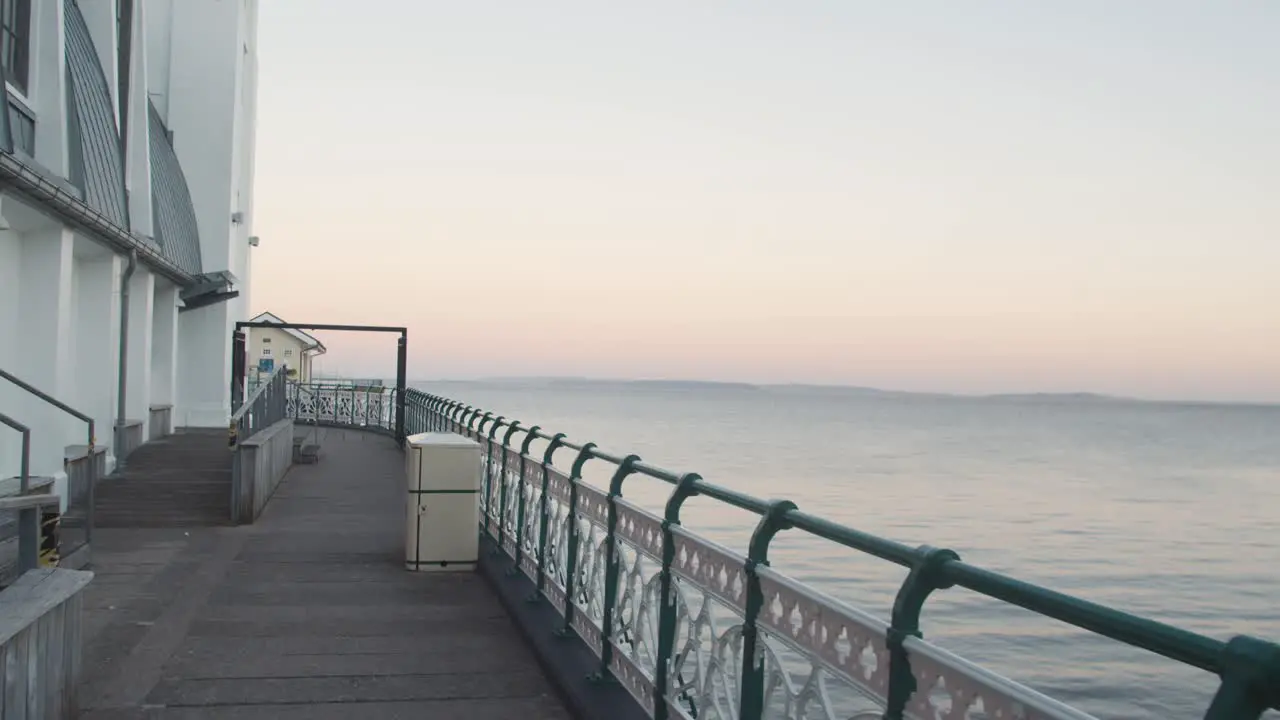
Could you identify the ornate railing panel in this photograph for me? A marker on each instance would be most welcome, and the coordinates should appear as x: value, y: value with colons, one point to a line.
x: 554, y: 552
x: 369, y: 408
x: 693, y: 629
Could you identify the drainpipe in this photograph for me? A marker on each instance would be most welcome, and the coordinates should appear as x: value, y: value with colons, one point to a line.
x: 125, y: 281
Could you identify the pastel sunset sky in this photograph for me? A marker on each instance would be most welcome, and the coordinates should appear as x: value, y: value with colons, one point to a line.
x: 1078, y: 195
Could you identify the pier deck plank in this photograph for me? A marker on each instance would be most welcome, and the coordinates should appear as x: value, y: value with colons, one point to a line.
x: 306, y: 614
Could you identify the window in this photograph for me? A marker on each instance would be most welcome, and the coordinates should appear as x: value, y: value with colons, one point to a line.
x: 15, y: 41
x: 266, y: 352
x: 288, y: 353
x: 266, y: 341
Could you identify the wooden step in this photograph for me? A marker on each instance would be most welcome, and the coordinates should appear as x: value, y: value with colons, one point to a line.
x: 181, y: 480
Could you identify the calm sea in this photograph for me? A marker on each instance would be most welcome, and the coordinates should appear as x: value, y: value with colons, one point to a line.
x: 1171, y: 511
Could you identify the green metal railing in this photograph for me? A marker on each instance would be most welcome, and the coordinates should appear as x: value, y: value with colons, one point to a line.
x: 693, y: 629
x: 586, y: 550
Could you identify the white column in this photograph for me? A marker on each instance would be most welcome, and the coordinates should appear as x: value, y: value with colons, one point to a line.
x: 138, y: 148
x: 10, y: 286
x: 204, y: 366
x: 97, y: 358
x: 45, y: 357
x: 164, y: 345
x: 141, y: 324
x: 10, y: 341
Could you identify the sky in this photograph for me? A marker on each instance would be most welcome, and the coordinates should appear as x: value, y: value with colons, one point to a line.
x: 1079, y: 195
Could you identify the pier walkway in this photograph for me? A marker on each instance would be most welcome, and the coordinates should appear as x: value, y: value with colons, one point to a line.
x: 307, y: 613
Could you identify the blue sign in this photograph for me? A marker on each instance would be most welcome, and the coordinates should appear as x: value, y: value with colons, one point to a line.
x: 266, y: 364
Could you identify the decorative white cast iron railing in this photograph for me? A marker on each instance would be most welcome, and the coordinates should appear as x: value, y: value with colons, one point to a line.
x: 369, y: 407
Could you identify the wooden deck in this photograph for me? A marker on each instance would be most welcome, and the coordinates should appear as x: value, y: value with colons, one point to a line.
x: 306, y: 614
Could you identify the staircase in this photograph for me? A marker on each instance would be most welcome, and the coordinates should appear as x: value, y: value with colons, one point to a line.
x: 182, y: 480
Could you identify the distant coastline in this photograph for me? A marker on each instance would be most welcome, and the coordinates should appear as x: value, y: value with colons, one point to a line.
x: 829, y: 390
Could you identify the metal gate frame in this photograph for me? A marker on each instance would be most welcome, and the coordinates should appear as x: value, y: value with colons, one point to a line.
x: 239, y: 358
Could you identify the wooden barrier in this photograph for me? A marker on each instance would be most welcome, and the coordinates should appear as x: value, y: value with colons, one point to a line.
x: 40, y: 643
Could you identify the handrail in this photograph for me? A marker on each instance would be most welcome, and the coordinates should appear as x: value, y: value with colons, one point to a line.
x: 258, y: 392
x: 22, y: 502
x: 265, y: 406
x: 1249, y: 667
x: 52, y: 401
x: 24, y: 472
x: 28, y: 517
x: 90, y: 446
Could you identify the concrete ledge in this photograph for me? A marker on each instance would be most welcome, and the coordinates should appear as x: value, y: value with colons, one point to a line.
x: 203, y: 415
x: 260, y: 463
x: 40, y: 637
x: 80, y: 469
x: 567, y: 661
x: 161, y: 422
x: 131, y: 438
x: 77, y: 559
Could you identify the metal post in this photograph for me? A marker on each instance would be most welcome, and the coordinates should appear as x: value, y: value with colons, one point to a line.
x: 525, y: 461
x: 122, y: 379
x: 402, y: 365
x: 495, y: 520
x: 502, y: 488
x: 611, y: 565
x: 238, y: 368
x: 571, y: 540
x: 539, y: 582
x: 926, y: 575
x: 685, y: 489
x: 1250, y: 679
x: 28, y: 518
x: 751, y: 703
x: 90, y: 500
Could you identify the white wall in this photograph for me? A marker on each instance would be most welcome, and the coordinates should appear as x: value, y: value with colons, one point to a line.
x: 209, y: 46
x: 46, y: 357
x: 201, y: 113
x: 97, y: 333
x: 60, y: 299
x: 247, y: 142
x: 156, y: 21
x: 204, y: 362
x: 164, y: 344
x: 279, y: 342
x: 137, y: 161
x: 142, y: 299
x: 10, y: 272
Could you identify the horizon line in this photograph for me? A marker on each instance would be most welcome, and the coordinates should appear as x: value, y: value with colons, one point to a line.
x: 1086, y: 395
